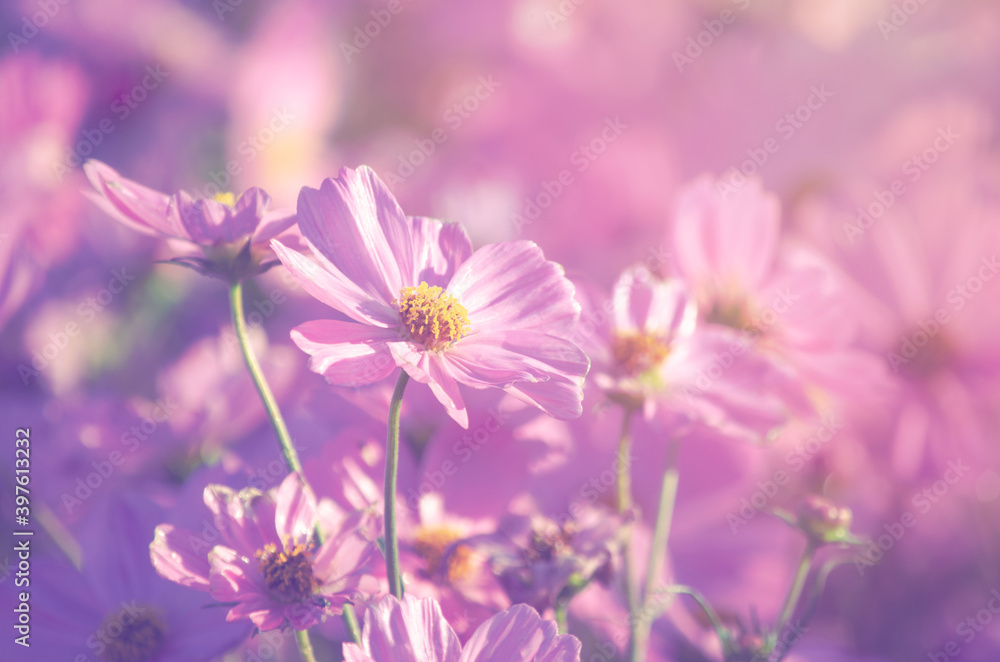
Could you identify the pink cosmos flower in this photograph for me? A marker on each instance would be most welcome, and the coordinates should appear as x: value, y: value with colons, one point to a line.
x: 439, y: 562
x: 421, y: 299
x: 783, y: 306
x: 650, y: 351
x: 233, y: 232
x: 268, y: 562
x: 414, y: 630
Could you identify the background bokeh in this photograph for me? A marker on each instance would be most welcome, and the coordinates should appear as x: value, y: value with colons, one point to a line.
x: 573, y: 123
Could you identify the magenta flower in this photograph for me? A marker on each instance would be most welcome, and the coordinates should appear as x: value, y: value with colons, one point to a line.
x: 414, y: 630
x: 233, y: 233
x: 421, y: 299
x: 268, y: 562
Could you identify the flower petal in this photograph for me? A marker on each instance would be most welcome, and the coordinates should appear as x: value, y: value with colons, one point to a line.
x: 511, y: 285
x: 431, y: 369
x: 295, y: 510
x: 244, y: 519
x: 347, y: 353
x: 445, y: 389
x: 356, y: 223
x: 520, y: 635
x: 725, y: 243
x: 132, y: 204
x: 175, y: 555
x: 329, y: 285
x: 408, y: 631
x: 556, y: 367
x: 645, y: 303
x: 492, y: 359
x: 439, y: 249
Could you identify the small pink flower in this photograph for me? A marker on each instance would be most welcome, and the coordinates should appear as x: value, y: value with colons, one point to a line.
x: 651, y: 352
x: 415, y: 631
x: 421, y: 299
x: 232, y: 232
x: 267, y: 562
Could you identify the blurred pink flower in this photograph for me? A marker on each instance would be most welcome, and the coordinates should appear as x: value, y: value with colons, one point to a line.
x: 421, y: 299
x: 784, y: 307
x: 115, y: 607
x: 39, y: 228
x: 268, y: 563
x: 649, y: 350
x: 414, y: 630
x: 233, y: 232
x: 439, y: 561
x: 543, y: 561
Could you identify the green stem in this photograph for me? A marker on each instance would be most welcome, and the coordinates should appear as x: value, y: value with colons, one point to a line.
x: 351, y: 623
x: 625, y: 464
x: 236, y: 303
x: 305, y: 646
x: 720, y: 629
x: 795, y: 591
x: 625, y: 505
x: 561, y: 619
x: 391, y: 462
x: 661, y: 536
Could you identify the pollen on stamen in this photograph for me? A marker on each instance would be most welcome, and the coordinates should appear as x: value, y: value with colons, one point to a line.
x: 431, y: 316
x: 132, y: 634
x: 225, y: 197
x: 637, y: 353
x: 287, y: 572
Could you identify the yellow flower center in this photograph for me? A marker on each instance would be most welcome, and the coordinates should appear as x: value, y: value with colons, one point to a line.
x: 288, y: 573
x: 433, y: 542
x: 431, y: 316
x: 131, y: 634
x: 638, y: 353
x: 225, y: 197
